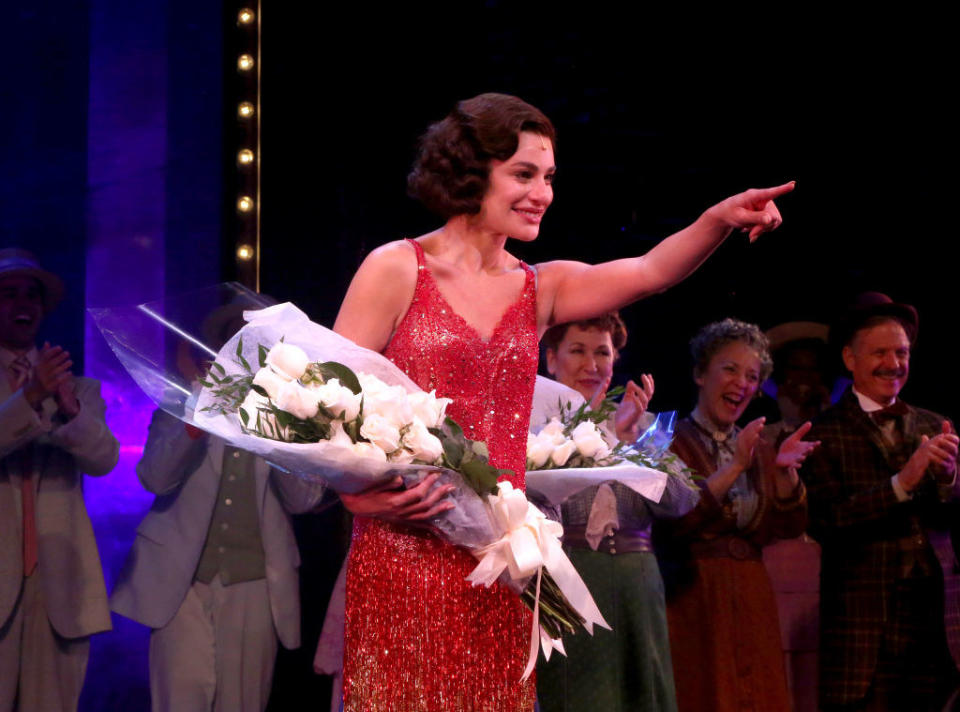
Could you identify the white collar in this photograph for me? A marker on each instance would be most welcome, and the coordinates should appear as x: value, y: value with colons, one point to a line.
x: 868, y: 404
x: 7, y: 357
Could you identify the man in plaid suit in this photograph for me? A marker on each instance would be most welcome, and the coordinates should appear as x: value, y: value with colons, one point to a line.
x: 880, y: 486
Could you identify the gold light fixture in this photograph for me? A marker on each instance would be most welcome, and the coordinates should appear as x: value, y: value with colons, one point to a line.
x: 245, y: 62
x: 245, y: 253
x: 245, y: 110
x: 245, y: 204
x: 245, y: 157
x: 246, y: 16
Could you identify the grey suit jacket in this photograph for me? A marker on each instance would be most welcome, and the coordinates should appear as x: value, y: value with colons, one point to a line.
x: 72, y: 579
x: 185, y: 476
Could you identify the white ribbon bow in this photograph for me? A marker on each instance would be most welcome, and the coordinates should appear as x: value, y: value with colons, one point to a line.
x: 530, y: 542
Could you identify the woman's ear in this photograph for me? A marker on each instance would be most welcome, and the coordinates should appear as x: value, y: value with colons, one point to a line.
x: 551, y: 362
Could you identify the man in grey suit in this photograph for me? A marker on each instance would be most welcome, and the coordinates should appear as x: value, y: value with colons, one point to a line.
x: 213, y: 570
x: 52, y: 429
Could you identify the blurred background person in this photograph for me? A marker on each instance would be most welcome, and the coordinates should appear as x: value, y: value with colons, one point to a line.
x: 801, y: 385
x: 52, y: 430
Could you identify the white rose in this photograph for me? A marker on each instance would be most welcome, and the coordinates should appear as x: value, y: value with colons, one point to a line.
x: 297, y: 400
x: 338, y: 436
x: 428, y: 408
x: 381, y: 432
x: 368, y: 451
x: 539, y: 450
x: 554, y: 429
x: 288, y: 360
x: 341, y: 401
x: 401, y: 456
x: 251, y: 405
x: 590, y: 441
x: 424, y: 445
x: 391, y: 403
x: 563, y: 452
x: 371, y: 385
x: 269, y: 381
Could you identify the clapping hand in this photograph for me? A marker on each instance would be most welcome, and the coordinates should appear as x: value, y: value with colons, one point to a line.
x: 52, y: 377
x: 752, y: 211
x: 794, y: 450
x: 747, y: 442
x: 939, y: 454
x: 632, y: 407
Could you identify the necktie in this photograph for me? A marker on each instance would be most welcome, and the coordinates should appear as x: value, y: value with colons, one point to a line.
x: 19, y: 374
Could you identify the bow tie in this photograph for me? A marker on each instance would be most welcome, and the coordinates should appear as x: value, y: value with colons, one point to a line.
x: 894, y: 411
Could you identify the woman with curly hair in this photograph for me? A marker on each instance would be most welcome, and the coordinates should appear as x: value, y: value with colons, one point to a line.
x: 461, y: 315
x: 724, y: 631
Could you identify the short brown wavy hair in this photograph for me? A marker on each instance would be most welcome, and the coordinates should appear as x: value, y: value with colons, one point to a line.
x: 450, y: 174
x: 713, y: 337
x: 610, y: 323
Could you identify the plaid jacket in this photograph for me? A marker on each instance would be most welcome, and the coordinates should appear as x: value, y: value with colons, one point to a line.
x: 862, y: 528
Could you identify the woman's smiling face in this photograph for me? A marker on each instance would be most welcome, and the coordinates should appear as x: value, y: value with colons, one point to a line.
x: 520, y: 189
x: 728, y: 383
x: 583, y: 360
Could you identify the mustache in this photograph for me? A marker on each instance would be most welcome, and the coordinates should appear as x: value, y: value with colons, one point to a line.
x: 890, y: 372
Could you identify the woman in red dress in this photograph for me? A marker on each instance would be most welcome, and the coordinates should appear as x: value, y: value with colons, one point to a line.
x: 461, y: 315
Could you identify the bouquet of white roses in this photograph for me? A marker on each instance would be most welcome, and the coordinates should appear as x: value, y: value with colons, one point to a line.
x: 326, y: 422
x: 573, y: 450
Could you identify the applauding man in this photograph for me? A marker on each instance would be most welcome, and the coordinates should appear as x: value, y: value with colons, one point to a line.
x: 52, y: 429
x: 878, y: 487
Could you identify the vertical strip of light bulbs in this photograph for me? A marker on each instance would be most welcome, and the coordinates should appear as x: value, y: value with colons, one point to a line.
x: 248, y: 152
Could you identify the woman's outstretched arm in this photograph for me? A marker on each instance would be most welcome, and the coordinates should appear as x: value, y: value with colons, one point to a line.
x: 572, y: 291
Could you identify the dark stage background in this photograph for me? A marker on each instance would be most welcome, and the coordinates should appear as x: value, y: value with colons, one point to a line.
x: 118, y: 149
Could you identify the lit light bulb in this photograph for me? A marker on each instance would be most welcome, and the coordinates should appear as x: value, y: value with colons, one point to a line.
x: 244, y: 62
x: 245, y: 16
x: 245, y: 204
x: 245, y: 110
x: 245, y: 157
x: 245, y: 253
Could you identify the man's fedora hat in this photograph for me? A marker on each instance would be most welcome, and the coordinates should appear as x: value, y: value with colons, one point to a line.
x: 866, y: 306
x: 15, y: 261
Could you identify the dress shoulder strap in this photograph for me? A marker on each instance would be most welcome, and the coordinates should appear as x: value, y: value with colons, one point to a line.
x: 531, y: 270
x: 418, y: 248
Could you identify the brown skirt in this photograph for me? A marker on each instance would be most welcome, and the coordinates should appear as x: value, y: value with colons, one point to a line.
x: 725, y: 640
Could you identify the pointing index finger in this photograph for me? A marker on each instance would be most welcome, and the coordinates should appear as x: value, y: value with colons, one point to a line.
x: 766, y: 194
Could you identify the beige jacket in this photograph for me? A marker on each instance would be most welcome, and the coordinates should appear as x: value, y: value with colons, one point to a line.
x: 72, y: 579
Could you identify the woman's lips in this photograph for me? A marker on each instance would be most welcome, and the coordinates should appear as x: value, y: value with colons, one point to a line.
x: 531, y: 215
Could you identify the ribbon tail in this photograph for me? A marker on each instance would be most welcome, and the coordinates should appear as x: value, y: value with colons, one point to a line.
x: 573, y: 587
x: 490, y: 567
x: 534, y: 633
x: 550, y: 644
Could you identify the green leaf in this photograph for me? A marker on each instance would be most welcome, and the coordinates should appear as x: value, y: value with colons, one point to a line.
x: 455, y: 430
x: 217, y: 366
x: 244, y: 417
x: 262, y: 352
x: 207, y: 384
x: 240, y: 346
x: 245, y: 365
x: 481, y: 476
x: 452, y: 451
x: 260, y: 390
x: 353, y: 430
x: 347, y: 378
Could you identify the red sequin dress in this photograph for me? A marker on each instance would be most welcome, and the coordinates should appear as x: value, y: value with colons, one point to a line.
x: 419, y: 637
